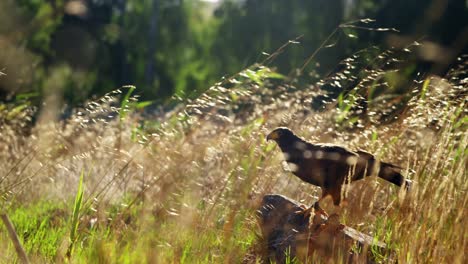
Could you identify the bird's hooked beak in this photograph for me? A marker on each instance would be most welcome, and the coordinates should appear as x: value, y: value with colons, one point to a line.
x: 272, y: 136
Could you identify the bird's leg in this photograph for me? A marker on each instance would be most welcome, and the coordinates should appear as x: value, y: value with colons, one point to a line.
x: 334, y: 219
x: 338, y: 208
x: 318, y: 209
x: 307, y: 211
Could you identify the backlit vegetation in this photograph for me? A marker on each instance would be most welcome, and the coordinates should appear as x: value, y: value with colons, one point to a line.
x: 183, y: 186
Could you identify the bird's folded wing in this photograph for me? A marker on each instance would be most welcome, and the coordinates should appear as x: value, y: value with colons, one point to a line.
x: 333, y: 152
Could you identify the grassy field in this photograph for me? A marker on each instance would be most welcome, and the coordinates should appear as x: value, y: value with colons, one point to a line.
x: 183, y: 187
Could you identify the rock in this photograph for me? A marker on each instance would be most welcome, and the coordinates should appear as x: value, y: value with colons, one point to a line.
x: 288, y: 233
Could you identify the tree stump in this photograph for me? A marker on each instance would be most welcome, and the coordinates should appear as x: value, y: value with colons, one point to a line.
x: 288, y: 234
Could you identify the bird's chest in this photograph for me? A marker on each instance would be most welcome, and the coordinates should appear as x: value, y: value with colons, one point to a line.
x: 306, y: 168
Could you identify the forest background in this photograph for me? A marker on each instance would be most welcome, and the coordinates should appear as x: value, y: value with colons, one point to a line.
x: 77, y: 50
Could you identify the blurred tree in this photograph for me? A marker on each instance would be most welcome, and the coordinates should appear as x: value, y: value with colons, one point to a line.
x: 442, y: 24
x: 168, y: 47
x: 251, y: 27
x: 160, y: 46
x: 257, y: 26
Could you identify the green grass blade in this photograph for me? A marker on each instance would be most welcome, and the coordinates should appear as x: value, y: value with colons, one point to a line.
x: 125, y: 102
x: 76, y: 215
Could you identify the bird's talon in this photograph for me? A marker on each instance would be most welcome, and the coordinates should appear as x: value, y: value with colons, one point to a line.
x: 321, y: 212
x: 305, y: 212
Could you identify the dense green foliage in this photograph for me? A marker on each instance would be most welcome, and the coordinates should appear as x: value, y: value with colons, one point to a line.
x: 76, y: 49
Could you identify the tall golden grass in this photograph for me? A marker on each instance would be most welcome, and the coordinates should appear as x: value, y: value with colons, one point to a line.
x: 183, y: 186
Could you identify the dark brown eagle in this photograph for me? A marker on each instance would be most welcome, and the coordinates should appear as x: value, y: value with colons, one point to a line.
x: 331, y: 166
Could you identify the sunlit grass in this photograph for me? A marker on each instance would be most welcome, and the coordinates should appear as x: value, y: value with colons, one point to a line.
x: 184, y: 186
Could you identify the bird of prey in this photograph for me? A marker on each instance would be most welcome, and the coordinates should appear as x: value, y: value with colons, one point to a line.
x: 330, y: 166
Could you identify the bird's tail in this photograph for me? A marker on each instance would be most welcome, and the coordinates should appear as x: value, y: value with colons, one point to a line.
x: 392, y: 174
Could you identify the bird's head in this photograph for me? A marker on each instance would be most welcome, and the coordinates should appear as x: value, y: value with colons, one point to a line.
x: 279, y: 133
